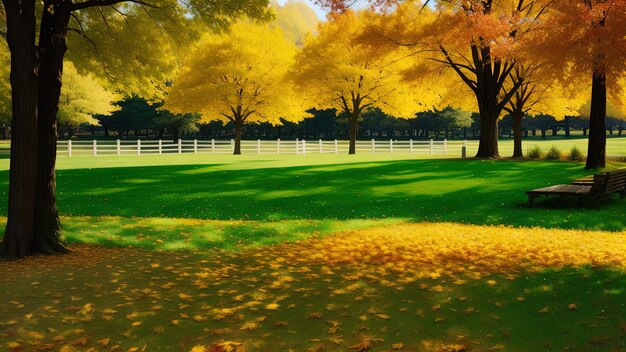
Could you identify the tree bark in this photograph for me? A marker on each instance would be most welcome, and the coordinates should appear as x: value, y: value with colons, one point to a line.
x: 354, y: 119
x: 175, y: 134
x: 52, y: 48
x: 488, y: 145
x: 238, y: 126
x: 596, y: 151
x: 517, y: 134
x: 20, y: 228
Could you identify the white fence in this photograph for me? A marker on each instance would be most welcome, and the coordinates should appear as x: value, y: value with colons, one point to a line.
x: 297, y: 147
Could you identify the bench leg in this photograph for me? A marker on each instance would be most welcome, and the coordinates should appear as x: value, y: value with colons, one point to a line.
x: 623, y: 194
x: 531, y: 201
x: 597, y: 201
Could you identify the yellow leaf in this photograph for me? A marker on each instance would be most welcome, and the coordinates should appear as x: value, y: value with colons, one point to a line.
x: 397, y: 346
x: 272, y: 306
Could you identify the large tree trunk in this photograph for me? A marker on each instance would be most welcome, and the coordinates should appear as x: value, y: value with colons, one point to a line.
x: 238, y: 126
x: 20, y: 227
x: 354, y: 119
x: 596, y: 151
x: 48, y: 238
x: 517, y: 134
x: 488, y: 146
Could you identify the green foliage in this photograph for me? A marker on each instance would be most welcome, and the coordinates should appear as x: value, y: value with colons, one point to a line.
x: 575, y: 154
x: 534, y: 152
x: 553, y: 153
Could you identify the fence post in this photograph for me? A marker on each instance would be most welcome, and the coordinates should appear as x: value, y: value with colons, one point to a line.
x: 95, y: 148
x: 118, y: 147
x: 391, y: 146
x: 212, y: 146
x: 278, y: 146
x: 258, y: 146
x: 432, y: 144
x: 180, y: 146
x: 160, y: 147
x: 336, y: 147
x: 373, y: 146
x: 464, y: 150
x: 195, y: 146
x: 232, y: 145
x: 303, y: 147
x: 69, y: 148
x: 297, y: 146
x: 445, y: 147
x: 138, y: 146
x: 321, y: 147
x: 410, y: 146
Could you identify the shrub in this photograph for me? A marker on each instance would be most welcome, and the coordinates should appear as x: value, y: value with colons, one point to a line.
x: 553, y: 154
x: 534, y: 152
x: 575, y: 154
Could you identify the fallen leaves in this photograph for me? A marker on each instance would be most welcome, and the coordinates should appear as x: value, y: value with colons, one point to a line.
x: 349, y: 292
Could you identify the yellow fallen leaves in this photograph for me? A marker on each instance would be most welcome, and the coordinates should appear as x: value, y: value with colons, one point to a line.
x: 444, y: 246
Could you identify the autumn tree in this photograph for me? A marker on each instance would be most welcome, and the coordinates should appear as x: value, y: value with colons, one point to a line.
x: 82, y: 97
x: 336, y: 71
x: 5, y: 90
x: 238, y: 77
x: 582, y: 40
x: 37, y: 57
x: 476, y: 39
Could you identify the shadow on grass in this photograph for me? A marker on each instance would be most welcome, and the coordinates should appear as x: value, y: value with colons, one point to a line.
x: 468, y: 191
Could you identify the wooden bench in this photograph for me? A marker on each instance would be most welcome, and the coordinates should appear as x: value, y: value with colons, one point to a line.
x: 603, y: 185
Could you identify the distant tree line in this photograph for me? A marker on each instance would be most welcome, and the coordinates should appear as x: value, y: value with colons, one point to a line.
x: 138, y: 118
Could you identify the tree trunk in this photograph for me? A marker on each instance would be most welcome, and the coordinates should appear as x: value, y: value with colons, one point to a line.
x: 543, y: 133
x: 106, y: 130
x: 596, y: 151
x: 20, y: 226
x: 517, y: 134
x: 238, y: 125
x: 488, y: 145
x: 353, y: 128
x: 175, y: 134
x: 52, y: 48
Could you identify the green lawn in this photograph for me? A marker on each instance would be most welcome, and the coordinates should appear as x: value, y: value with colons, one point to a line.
x: 172, y: 252
x: 321, y: 188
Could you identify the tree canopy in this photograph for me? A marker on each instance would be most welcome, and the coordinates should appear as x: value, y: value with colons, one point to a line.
x: 238, y: 77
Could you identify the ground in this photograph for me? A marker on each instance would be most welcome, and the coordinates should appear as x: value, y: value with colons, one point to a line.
x: 335, y: 253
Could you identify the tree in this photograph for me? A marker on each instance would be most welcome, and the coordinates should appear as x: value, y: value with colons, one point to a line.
x: 238, y: 77
x: 5, y: 90
x: 82, y: 97
x: 36, y: 71
x: 336, y: 71
x: 476, y: 39
x: 177, y: 123
x: 296, y: 19
x: 590, y: 37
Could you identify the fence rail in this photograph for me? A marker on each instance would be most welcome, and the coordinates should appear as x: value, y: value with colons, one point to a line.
x: 295, y: 147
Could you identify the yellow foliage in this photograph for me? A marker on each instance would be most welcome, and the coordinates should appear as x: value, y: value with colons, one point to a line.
x: 238, y: 76
x: 83, y: 96
x: 336, y: 70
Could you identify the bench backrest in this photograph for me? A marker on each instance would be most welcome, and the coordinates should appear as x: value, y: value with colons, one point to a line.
x: 616, y: 181
x: 609, y: 182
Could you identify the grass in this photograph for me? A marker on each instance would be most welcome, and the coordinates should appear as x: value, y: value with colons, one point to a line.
x: 336, y: 253
x: 322, y: 188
